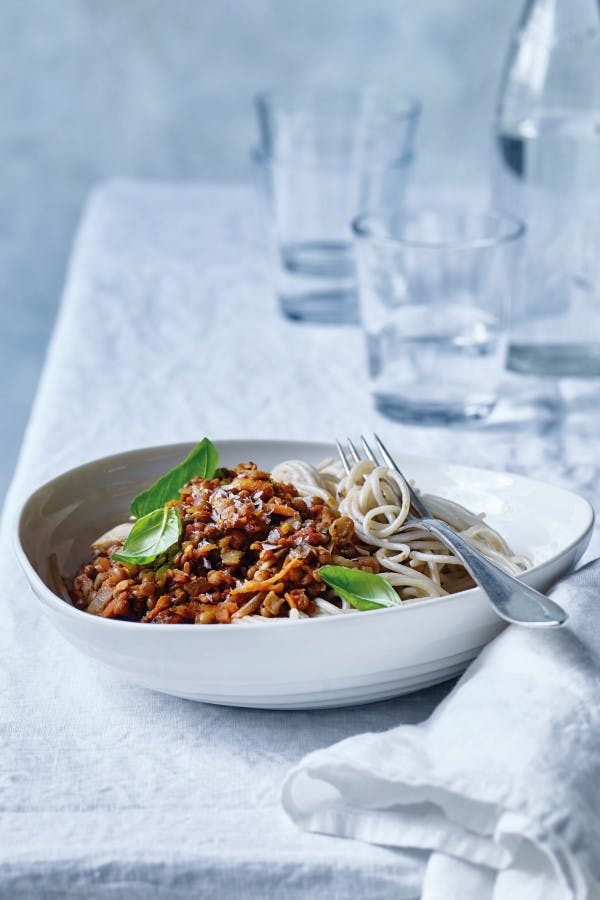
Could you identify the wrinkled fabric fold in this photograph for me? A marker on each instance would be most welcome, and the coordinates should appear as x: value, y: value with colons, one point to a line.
x: 501, y: 783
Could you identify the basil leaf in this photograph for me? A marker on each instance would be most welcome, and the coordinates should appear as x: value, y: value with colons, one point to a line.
x: 150, y: 536
x: 362, y: 590
x: 202, y: 462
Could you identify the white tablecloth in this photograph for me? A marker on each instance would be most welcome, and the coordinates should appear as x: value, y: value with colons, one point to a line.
x: 168, y: 331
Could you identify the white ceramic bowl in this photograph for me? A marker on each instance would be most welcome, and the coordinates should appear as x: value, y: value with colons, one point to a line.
x: 329, y: 661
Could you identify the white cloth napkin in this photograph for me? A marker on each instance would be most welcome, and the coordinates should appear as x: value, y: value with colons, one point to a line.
x: 502, y: 783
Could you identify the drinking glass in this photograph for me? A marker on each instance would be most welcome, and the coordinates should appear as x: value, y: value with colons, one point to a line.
x: 435, y: 288
x: 323, y: 156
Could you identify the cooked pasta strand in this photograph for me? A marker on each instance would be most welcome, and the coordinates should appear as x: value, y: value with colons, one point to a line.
x: 377, y: 500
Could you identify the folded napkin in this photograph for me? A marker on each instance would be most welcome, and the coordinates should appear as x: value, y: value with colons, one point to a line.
x: 502, y: 783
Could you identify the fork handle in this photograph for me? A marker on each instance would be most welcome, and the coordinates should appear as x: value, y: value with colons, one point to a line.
x: 512, y: 599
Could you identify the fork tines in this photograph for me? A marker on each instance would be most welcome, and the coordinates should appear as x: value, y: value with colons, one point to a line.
x: 350, y: 455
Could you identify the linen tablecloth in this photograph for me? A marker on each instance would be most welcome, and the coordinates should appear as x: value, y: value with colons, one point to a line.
x: 168, y: 330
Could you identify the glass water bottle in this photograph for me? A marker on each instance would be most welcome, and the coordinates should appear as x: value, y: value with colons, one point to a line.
x: 547, y: 172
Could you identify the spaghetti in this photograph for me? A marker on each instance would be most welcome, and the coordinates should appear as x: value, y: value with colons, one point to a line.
x: 377, y: 500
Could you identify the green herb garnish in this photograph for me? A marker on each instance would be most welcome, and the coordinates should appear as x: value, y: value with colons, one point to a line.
x: 362, y: 590
x: 151, y: 536
x: 201, y: 462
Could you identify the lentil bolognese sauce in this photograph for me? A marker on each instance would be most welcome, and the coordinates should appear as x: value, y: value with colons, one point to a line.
x: 250, y: 546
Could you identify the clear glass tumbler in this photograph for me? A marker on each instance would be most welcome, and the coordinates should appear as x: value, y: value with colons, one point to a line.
x: 323, y: 156
x: 435, y: 288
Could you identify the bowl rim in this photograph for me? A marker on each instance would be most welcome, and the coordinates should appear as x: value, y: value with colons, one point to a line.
x: 68, y: 610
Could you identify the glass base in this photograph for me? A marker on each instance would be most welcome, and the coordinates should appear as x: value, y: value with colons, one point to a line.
x: 331, y: 307
x: 411, y: 412
x: 576, y: 360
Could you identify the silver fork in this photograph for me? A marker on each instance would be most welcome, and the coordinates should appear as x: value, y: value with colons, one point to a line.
x: 512, y: 599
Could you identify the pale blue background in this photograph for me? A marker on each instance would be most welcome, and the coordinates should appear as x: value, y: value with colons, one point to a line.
x: 90, y: 89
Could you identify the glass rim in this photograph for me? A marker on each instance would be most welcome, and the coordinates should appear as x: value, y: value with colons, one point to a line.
x: 293, y: 99
x: 363, y: 227
x: 261, y: 158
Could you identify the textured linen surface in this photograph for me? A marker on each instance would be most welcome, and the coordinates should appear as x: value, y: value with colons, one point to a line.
x: 168, y: 331
x: 502, y: 781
